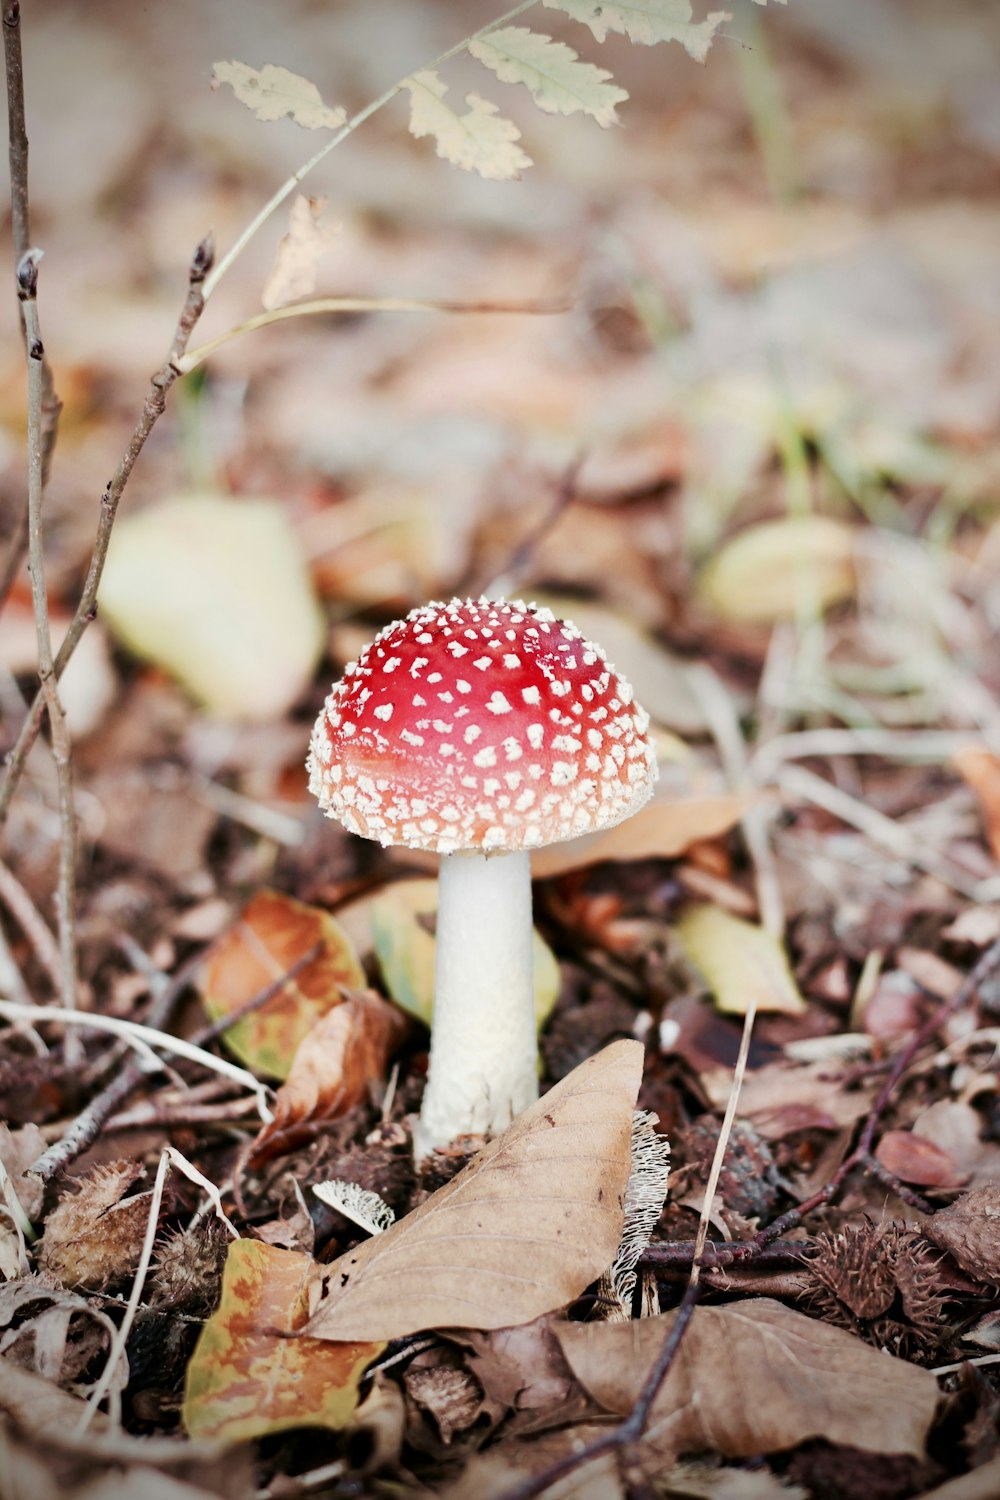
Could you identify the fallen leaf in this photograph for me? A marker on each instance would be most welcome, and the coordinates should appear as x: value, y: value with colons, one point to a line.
x: 334, y: 1067
x: 913, y: 1159
x: 774, y: 570
x: 246, y: 1378
x: 741, y: 962
x: 272, y: 934
x: 970, y: 1230
x: 753, y: 1377
x: 980, y: 769
x: 293, y: 274
x: 523, y: 1229
x: 274, y: 93
x: 480, y: 141
x: 955, y: 1127
x: 402, y: 917
x: 214, y: 590
x: 660, y: 830
x: 779, y: 1098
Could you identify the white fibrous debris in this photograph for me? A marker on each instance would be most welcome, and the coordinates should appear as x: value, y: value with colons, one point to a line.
x: 644, y: 1199
x: 366, y: 1209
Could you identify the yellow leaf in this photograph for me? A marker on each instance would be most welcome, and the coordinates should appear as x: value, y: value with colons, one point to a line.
x: 274, y: 93
x: 481, y: 140
x: 246, y: 1378
x: 771, y: 571
x: 402, y: 929
x: 740, y: 961
x: 216, y: 591
x: 272, y: 935
x: 523, y: 1229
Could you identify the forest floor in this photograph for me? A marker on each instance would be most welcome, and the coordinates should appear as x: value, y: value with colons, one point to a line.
x: 731, y: 403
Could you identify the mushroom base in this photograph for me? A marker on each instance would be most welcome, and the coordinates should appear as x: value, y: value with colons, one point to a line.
x: 484, y: 1050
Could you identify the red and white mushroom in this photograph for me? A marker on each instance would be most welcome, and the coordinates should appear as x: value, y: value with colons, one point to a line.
x: 480, y: 730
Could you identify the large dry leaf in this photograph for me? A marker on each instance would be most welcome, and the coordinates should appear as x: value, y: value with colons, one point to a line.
x: 402, y: 916
x: 775, y: 569
x: 558, y: 81
x: 216, y: 591
x: 742, y: 963
x: 334, y: 1068
x: 660, y: 830
x: 981, y: 770
x: 528, y: 1224
x: 274, y: 933
x: 274, y: 93
x: 646, y: 21
x: 481, y: 140
x: 246, y: 1377
x: 293, y: 274
x: 755, y: 1377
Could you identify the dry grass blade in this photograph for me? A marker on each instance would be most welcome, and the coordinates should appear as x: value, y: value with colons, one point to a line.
x: 522, y: 1230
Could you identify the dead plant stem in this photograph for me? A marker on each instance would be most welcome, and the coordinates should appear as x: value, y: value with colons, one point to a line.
x: 152, y: 409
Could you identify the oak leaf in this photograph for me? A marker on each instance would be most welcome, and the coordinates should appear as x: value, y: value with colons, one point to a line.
x: 754, y: 1377
x: 558, y: 81
x: 646, y: 21
x: 523, y: 1229
x: 247, y: 1378
x: 293, y: 274
x: 481, y: 140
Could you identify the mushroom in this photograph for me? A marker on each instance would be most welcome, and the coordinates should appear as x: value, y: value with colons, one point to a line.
x: 479, y: 730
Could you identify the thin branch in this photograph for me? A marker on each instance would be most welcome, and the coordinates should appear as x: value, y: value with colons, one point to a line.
x: 288, y: 187
x: 152, y: 410
x: 50, y: 405
x: 27, y: 290
x: 322, y: 305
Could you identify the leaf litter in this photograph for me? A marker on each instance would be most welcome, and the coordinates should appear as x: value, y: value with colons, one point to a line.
x: 789, y: 400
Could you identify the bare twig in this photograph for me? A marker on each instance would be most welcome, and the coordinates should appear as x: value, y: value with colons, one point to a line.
x: 27, y: 291
x: 20, y: 218
x: 152, y: 410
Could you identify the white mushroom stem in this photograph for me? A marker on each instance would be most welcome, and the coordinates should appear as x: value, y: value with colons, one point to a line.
x: 483, y: 1064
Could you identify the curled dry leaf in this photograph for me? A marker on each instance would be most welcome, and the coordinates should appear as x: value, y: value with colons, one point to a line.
x: 741, y: 962
x: 334, y: 1067
x: 274, y: 933
x: 523, y: 1229
x: 293, y: 274
x: 754, y: 1377
x: 246, y: 1377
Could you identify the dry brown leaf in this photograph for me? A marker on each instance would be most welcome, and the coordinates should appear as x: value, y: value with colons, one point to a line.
x: 981, y: 770
x: 293, y: 274
x: 970, y: 1230
x: 660, y: 830
x: 911, y: 1158
x: 754, y: 1377
x: 523, y: 1229
x: 980, y: 1484
x: 779, y: 1098
x: 335, y: 1066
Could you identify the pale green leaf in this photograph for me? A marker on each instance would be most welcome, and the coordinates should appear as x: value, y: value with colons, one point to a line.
x: 646, y: 21
x: 773, y: 570
x: 216, y: 591
x: 558, y: 81
x: 481, y: 140
x: 274, y: 93
x: 741, y: 962
x: 401, y: 917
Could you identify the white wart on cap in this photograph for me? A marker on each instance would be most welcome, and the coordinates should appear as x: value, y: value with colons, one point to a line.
x: 480, y: 725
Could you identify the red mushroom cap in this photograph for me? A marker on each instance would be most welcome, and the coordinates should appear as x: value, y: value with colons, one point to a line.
x: 480, y: 724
